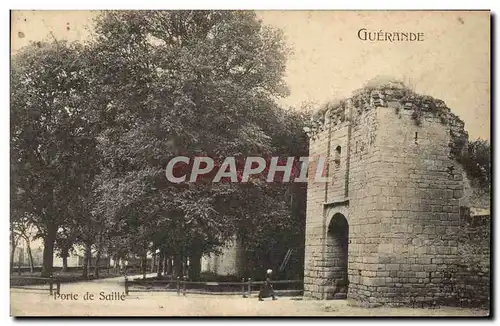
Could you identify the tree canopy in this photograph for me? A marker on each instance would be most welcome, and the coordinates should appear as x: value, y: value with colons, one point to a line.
x: 94, y: 125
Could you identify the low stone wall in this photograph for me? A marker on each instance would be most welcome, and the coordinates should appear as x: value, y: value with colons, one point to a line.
x: 461, y: 280
x: 470, y: 274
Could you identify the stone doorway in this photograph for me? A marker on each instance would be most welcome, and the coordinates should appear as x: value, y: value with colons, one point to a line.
x: 336, y: 258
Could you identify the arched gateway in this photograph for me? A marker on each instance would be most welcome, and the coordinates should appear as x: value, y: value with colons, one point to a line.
x: 336, y: 257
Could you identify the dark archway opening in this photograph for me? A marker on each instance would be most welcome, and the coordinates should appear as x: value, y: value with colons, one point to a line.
x: 337, y: 257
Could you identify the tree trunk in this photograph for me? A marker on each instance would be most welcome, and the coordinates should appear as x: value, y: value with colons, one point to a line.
x: 65, y: 263
x: 195, y: 266
x: 64, y: 256
x: 160, y: 264
x: 184, y: 266
x: 86, y: 261
x: 178, y: 266
x: 30, y: 255
x: 13, y: 242
x: 98, y: 256
x: 20, y: 260
x: 153, y: 262
x: 97, y: 259
x: 169, y: 264
x: 48, y: 251
x: 89, y: 264
x: 144, y: 266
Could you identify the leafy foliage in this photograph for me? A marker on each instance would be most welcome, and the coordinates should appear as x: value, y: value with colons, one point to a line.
x: 477, y: 163
x: 94, y: 125
x: 52, y: 138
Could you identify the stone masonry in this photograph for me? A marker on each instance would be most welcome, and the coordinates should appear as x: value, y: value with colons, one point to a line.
x: 387, y: 219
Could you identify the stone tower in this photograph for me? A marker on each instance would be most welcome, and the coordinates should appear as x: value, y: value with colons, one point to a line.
x: 386, y: 220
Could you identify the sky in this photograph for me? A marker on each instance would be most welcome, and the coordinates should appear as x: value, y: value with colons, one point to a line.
x: 329, y: 61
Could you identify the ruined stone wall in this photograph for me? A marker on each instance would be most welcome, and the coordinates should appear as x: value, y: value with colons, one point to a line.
x: 470, y: 273
x: 416, y: 208
x: 397, y: 183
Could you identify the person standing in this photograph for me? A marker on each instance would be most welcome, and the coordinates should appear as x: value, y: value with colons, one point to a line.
x: 266, y: 289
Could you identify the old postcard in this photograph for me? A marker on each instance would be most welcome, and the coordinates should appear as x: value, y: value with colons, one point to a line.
x: 250, y: 163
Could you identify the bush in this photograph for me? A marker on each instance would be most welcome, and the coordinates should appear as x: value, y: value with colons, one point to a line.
x: 477, y: 162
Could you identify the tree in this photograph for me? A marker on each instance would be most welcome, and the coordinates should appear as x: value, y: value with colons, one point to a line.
x: 66, y: 238
x: 14, y: 239
x: 196, y: 83
x: 52, y: 141
x: 277, y: 224
x: 94, y: 125
x: 24, y: 229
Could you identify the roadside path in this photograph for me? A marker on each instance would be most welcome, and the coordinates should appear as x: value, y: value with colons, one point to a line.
x: 107, y: 295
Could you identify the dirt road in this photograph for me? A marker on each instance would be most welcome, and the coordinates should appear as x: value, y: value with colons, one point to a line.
x: 109, y: 300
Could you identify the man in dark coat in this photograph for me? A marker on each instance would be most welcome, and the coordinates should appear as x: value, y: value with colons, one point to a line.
x: 266, y: 290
